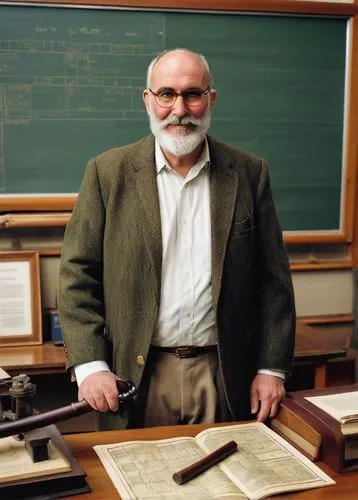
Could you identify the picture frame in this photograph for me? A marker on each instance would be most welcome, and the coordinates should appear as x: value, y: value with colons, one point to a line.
x: 20, y: 299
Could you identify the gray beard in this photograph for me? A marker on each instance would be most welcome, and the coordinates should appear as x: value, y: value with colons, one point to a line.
x: 180, y: 145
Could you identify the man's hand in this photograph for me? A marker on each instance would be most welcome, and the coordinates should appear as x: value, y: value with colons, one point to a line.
x: 100, y: 391
x: 266, y: 394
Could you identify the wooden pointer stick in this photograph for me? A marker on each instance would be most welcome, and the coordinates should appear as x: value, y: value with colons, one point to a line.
x: 205, y: 463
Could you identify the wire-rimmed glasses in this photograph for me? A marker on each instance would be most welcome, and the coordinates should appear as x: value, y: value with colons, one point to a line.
x: 166, y: 97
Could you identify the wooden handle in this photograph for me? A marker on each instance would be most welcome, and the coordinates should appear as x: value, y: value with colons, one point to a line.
x: 42, y: 419
x: 126, y: 391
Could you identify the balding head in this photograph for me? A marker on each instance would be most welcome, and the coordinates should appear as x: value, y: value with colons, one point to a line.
x: 180, y: 58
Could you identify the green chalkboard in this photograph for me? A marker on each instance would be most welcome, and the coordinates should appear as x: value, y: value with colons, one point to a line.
x: 71, y: 82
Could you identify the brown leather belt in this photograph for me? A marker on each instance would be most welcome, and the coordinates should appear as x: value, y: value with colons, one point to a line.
x: 186, y: 351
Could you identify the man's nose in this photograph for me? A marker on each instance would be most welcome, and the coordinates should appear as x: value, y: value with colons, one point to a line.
x: 179, y: 107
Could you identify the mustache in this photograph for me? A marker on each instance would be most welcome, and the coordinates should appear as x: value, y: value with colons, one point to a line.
x: 180, y: 120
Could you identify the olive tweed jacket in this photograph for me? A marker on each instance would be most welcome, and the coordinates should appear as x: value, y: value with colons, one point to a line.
x: 110, y: 271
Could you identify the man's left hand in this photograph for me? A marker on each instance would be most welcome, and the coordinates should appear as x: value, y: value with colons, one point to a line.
x: 266, y: 394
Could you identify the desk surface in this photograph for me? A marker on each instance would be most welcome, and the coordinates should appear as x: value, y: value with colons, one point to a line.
x: 102, y: 486
x: 33, y: 360
x: 312, y: 345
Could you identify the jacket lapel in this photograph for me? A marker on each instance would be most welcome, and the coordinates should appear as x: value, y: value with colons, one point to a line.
x: 143, y: 181
x: 223, y: 193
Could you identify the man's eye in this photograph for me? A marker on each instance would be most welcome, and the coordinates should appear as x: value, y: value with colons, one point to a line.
x: 194, y: 93
x: 167, y: 94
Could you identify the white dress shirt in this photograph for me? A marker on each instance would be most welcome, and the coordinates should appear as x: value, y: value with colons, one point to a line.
x: 186, y: 315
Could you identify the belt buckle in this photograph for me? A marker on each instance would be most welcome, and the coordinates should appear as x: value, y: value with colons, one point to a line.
x: 185, y: 352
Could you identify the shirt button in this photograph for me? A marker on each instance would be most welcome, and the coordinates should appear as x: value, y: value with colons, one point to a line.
x: 140, y: 360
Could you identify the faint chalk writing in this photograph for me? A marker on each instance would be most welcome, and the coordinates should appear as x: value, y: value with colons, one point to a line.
x: 42, y: 29
x: 90, y: 31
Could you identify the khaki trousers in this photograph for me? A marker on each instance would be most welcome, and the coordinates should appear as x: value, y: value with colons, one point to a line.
x: 180, y: 391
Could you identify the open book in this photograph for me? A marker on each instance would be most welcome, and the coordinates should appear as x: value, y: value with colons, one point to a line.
x: 343, y: 407
x: 264, y: 465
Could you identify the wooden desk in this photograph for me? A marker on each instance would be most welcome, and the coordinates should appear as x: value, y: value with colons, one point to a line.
x: 102, y: 486
x: 312, y: 346
x: 44, y: 359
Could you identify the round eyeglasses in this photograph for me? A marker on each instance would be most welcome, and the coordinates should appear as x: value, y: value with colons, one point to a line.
x: 166, y: 98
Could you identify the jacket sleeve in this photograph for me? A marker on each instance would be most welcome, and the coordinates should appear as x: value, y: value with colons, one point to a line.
x: 80, y: 292
x: 277, y: 307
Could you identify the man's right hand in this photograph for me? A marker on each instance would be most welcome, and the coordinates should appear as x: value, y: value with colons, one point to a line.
x: 100, y: 391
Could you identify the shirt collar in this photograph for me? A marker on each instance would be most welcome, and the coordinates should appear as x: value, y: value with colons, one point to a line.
x: 161, y: 162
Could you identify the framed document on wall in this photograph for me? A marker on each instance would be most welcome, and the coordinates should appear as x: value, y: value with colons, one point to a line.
x: 20, y: 299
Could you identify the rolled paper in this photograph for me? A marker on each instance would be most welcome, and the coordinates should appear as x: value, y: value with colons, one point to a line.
x: 205, y: 463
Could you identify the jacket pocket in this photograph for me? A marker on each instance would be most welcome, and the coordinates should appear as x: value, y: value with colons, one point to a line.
x: 242, y: 229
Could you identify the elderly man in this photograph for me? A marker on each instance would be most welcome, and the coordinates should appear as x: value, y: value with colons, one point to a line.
x: 174, y: 273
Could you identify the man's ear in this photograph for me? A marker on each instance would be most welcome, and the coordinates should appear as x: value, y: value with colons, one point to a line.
x: 146, y: 98
x: 212, y: 95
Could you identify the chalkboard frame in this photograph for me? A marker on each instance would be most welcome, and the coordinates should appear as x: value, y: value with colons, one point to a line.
x: 55, y: 203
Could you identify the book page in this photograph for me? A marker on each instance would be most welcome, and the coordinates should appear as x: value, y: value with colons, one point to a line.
x: 3, y: 374
x: 144, y: 469
x: 16, y: 463
x: 265, y: 463
x: 343, y: 407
